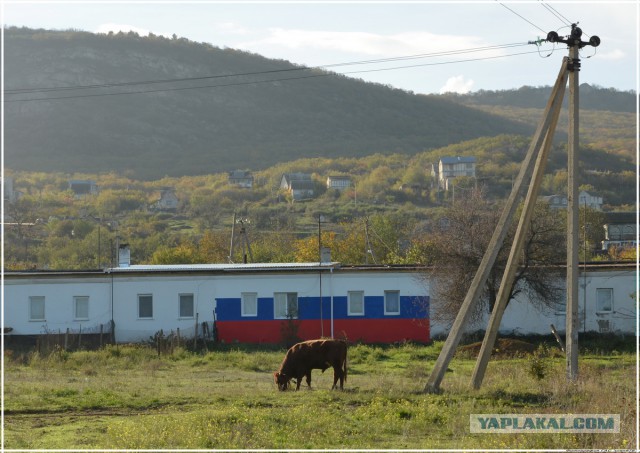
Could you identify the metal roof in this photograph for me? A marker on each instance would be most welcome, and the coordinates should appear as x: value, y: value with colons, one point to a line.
x: 223, y: 267
x: 458, y: 160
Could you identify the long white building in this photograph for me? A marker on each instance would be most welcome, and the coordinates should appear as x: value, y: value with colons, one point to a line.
x: 254, y: 302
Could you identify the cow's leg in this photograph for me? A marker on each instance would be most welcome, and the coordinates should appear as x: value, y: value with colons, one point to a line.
x: 298, y: 382
x: 309, y: 379
x: 336, y: 375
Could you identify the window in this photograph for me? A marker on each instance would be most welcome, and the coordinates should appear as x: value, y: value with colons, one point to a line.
x: 36, y: 308
x: 81, y: 307
x: 285, y: 305
x: 392, y: 302
x: 604, y: 299
x: 145, y: 306
x: 186, y: 306
x: 355, y: 303
x: 249, y: 304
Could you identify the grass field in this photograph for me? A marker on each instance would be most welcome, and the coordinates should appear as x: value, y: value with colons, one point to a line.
x: 126, y: 397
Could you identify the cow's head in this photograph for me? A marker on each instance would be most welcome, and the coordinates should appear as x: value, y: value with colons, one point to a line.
x: 281, y: 380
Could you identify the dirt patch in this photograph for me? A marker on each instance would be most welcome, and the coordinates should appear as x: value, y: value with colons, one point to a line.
x: 504, y: 348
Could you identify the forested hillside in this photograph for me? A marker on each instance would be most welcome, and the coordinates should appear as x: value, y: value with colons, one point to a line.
x: 223, y: 109
x: 591, y: 98
x: 393, y: 198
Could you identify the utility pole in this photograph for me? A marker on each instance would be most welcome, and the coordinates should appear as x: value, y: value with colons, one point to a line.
x: 513, y: 262
x: 320, y: 271
x: 497, y: 240
x: 575, y: 43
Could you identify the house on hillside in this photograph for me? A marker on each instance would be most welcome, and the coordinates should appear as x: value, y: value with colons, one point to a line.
x: 299, y: 185
x: 338, y: 182
x: 555, y: 201
x: 450, y: 168
x: 620, y: 230
x: 168, y: 200
x: 81, y: 187
x: 590, y: 201
x: 241, y: 178
x: 10, y: 194
x: 584, y: 199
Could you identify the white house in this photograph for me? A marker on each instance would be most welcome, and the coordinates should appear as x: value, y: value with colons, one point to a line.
x: 299, y: 185
x: 590, y: 201
x: 450, y: 168
x: 82, y: 187
x: 168, y: 200
x: 338, y: 182
x: 241, y: 178
x: 620, y: 230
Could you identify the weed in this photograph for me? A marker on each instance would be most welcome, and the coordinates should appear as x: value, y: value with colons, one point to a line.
x: 538, y: 362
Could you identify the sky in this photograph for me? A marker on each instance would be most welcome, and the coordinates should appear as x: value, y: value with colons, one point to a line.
x: 331, y: 33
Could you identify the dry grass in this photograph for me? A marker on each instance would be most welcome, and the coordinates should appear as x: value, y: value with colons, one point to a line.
x: 128, y: 398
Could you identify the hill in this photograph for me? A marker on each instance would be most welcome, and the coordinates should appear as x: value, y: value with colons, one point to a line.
x: 204, y: 120
x: 591, y: 98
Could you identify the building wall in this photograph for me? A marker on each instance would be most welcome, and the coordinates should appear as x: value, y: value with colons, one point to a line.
x: 222, y: 293
x: 59, y: 295
x: 521, y: 317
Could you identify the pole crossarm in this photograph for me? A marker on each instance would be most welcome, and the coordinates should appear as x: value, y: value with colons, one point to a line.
x: 509, y: 275
x: 497, y: 240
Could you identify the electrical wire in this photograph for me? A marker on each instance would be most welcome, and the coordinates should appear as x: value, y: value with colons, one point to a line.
x: 78, y: 96
x: 521, y: 17
x: 274, y: 71
x: 556, y: 13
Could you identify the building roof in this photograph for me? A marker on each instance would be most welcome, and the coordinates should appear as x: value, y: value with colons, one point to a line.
x: 224, y: 267
x: 458, y: 160
x: 620, y: 217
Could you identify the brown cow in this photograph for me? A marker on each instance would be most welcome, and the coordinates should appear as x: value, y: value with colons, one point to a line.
x: 313, y: 354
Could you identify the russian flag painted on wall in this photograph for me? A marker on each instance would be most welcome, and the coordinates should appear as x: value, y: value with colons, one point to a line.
x: 314, y: 321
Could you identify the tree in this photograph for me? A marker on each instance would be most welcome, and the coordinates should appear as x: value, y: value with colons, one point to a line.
x: 459, y: 241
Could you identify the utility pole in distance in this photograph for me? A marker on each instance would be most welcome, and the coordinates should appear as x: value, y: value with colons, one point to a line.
x: 575, y: 43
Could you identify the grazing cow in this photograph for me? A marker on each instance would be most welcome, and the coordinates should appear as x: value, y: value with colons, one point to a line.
x: 313, y: 354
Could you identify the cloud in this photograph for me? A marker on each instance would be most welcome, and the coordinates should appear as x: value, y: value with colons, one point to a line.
x: 457, y: 84
x: 232, y: 28
x: 364, y: 43
x: 615, y: 54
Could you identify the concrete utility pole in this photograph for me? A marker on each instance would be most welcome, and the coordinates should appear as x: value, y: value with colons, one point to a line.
x: 575, y: 44
x: 497, y: 240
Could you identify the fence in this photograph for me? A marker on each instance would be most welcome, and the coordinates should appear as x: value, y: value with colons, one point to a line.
x: 69, y: 340
x: 97, y: 336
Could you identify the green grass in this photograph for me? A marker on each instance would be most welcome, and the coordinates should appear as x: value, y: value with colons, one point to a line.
x: 127, y: 398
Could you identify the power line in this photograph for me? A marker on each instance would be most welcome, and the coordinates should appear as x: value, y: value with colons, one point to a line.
x: 556, y: 13
x: 78, y: 96
x: 522, y: 17
x: 274, y: 71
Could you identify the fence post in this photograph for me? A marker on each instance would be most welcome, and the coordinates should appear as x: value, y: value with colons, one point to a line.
x: 66, y: 339
x: 178, y: 335
x: 101, y: 335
